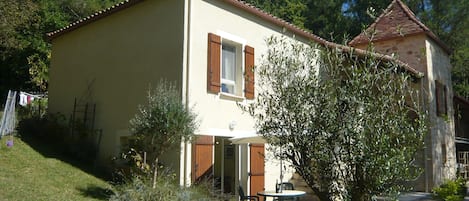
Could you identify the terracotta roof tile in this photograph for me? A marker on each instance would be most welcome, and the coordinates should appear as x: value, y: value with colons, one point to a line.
x: 396, y: 21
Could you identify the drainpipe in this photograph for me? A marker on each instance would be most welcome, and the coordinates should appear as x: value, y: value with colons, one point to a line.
x: 185, y: 147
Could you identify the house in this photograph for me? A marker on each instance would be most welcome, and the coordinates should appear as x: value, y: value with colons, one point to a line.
x: 397, y: 31
x: 107, y: 62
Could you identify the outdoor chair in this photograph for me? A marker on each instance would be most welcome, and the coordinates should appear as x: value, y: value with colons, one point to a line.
x: 242, y: 196
x: 285, y: 186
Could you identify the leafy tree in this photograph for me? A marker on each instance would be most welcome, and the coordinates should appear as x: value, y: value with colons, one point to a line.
x: 24, y: 50
x: 328, y: 19
x: 293, y: 11
x: 342, y: 120
x: 160, y: 125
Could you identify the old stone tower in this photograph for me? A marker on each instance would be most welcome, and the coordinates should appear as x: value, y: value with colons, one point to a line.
x: 399, y: 32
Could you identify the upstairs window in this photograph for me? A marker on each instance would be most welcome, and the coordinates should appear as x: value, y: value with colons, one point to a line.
x: 226, y: 71
x: 229, y: 69
x: 440, y: 95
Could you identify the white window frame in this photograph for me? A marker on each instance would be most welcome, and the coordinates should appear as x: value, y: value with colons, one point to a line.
x: 235, y: 65
x: 239, y: 44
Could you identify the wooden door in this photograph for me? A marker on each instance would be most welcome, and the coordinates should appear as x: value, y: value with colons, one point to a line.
x: 202, y: 158
x: 257, y: 168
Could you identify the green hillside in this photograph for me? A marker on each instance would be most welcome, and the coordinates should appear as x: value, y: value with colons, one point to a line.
x: 26, y: 174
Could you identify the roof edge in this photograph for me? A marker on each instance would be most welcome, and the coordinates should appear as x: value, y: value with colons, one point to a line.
x: 91, y: 18
x: 315, y: 38
x: 275, y: 20
x: 384, y: 57
x: 248, y: 8
x: 412, y: 16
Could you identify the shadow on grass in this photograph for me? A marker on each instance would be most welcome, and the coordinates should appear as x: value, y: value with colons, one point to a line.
x: 96, y: 192
x: 37, y: 135
x: 52, y: 149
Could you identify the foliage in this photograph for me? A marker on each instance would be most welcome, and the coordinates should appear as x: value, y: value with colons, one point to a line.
x: 24, y: 49
x: 31, y: 170
x: 136, y: 162
x: 37, y: 108
x: 451, y: 190
x: 341, y: 19
x: 162, y: 123
x: 290, y: 10
x: 344, y: 125
x: 39, y: 70
x: 167, y: 189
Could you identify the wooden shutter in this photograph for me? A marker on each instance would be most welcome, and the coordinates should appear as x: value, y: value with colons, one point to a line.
x: 257, y: 168
x: 202, y: 162
x: 249, y: 72
x: 213, y: 63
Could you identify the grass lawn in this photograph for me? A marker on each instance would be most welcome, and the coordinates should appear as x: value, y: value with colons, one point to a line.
x: 28, y: 175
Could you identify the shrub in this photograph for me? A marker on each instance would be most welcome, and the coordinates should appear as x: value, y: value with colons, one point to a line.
x: 50, y: 127
x: 140, y: 188
x: 37, y: 108
x: 451, y: 190
x: 162, y: 123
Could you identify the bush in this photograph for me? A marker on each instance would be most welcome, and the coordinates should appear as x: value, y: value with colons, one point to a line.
x: 50, y: 127
x: 162, y: 123
x: 140, y: 189
x: 37, y: 108
x: 451, y: 190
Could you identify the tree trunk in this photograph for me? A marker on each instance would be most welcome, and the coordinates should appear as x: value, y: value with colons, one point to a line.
x: 155, y: 172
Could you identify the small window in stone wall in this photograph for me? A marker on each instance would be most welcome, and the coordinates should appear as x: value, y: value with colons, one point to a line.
x: 443, y: 153
x: 440, y: 94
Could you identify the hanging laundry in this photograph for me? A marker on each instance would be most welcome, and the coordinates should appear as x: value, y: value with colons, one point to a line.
x: 27, y: 98
x: 23, y: 99
x: 30, y: 99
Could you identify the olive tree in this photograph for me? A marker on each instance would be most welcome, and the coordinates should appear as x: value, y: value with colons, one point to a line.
x: 350, y: 124
x: 162, y: 123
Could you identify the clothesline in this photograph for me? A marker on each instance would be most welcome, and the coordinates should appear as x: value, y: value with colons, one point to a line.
x: 27, y: 98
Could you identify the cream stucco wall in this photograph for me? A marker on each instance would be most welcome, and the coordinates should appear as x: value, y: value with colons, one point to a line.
x: 113, y: 61
x: 216, y: 111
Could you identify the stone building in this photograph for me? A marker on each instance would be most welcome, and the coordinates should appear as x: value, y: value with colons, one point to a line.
x: 399, y: 32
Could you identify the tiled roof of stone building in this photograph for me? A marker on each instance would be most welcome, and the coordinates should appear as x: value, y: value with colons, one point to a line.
x: 396, y: 21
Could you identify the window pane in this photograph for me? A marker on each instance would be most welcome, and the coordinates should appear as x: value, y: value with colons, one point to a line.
x: 227, y: 88
x: 228, y: 62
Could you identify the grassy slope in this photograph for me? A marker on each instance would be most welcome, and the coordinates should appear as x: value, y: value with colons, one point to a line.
x: 27, y: 175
